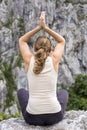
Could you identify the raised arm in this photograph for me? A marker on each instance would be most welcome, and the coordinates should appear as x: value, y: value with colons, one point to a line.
x: 24, y: 48
x: 59, y: 49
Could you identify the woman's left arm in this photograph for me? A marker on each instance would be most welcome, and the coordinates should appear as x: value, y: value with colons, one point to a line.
x: 24, y: 48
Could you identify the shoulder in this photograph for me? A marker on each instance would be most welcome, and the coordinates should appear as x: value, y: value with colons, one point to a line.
x: 55, y: 62
x: 54, y: 58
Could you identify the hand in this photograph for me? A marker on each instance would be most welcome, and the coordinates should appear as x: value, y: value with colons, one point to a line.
x: 42, y: 20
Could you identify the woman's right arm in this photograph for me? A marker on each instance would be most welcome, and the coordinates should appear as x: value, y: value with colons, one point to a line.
x: 59, y: 49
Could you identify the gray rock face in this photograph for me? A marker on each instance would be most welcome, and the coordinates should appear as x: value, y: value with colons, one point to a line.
x: 66, y: 17
x: 73, y: 120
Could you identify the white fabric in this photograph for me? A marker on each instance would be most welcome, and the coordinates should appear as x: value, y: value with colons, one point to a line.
x: 42, y: 89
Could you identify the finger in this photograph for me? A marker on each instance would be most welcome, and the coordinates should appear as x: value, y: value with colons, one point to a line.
x: 43, y: 12
x: 41, y: 18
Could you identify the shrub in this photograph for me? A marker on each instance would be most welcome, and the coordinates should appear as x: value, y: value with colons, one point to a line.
x: 4, y: 116
x: 78, y: 94
x: 10, y: 85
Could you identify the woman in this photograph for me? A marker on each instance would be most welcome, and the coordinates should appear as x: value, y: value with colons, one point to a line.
x: 42, y: 105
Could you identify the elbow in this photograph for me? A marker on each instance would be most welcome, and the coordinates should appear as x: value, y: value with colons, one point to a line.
x: 63, y: 41
x: 20, y: 40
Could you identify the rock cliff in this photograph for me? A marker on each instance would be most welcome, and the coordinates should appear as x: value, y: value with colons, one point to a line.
x: 73, y: 120
x: 67, y: 17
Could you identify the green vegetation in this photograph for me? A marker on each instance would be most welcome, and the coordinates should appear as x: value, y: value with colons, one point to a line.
x: 21, y: 26
x: 76, y: 1
x: 57, y: 5
x: 6, y: 2
x: 10, y: 84
x: 80, y: 14
x: 0, y: 1
x: 4, y: 116
x: 6, y: 74
x: 78, y: 94
x: 19, y: 60
x: 8, y: 23
x: 30, y: 42
x: 11, y: 87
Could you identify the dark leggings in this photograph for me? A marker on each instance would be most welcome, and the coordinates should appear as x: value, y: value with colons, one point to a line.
x: 42, y: 119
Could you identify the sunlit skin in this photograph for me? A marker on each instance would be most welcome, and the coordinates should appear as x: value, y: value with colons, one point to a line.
x: 41, y: 67
x: 56, y: 54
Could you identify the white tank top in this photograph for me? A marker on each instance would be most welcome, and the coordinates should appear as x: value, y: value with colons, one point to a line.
x: 42, y: 89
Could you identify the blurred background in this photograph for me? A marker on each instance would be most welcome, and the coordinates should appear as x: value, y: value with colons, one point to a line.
x: 66, y: 17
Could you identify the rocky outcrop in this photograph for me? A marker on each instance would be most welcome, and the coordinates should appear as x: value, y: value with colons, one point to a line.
x: 73, y: 120
x: 67, y: 17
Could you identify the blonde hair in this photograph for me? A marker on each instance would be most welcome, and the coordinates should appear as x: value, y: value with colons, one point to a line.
x: 42, y: 48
